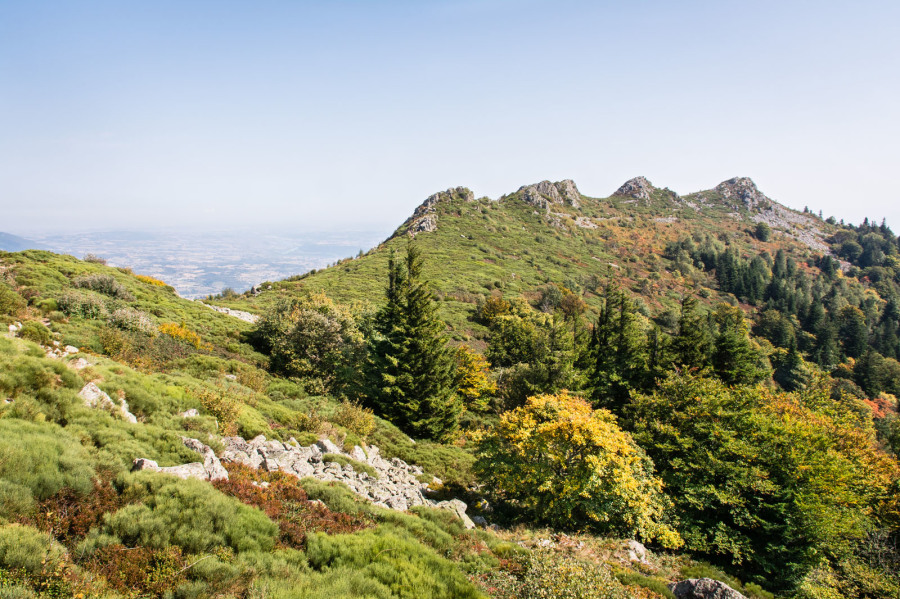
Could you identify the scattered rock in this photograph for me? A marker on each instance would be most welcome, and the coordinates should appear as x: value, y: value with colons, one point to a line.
x: 95, y: 398
x: 239, y: 314
x: 71, y: 349
x: 636, y: 552
x: 424, y: 218
x: 703, y: 588
x: 639, y: 188
x: 192, y: 413
x: 79, y: 364
x: 480, y: 521
x: 210, y: 469
x: 459, y: 509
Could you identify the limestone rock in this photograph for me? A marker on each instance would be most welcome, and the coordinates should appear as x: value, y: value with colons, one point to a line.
x: 459, y: 508
x: 544, y: 194
x: 703, y: 588
x: 639, y: 188
x: 745, y: 190
x: 424, y: 218
x: 95, y: 398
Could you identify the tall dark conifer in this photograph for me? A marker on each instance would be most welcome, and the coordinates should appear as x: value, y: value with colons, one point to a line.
x: 411, y: 368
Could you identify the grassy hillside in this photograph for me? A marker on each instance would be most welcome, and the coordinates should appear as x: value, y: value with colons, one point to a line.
x: 513, y: 247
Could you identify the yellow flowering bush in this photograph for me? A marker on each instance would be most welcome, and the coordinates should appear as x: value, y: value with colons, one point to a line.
x: 571, y: 466
x: 151, y: 281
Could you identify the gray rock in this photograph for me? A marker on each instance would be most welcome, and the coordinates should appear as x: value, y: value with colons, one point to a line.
x: 192, y: 413
x: 639, y: 188
x: 358, y: 454
x: 95, y: 398
x: 79, y: 364
x: 459, y: 508
x: 71, y: 349
x: 636, y: 552
x: 327, y: 446
x: 480, y: 521
x: 703, y: 588
x: 211, y: 465
x: 545, y: 193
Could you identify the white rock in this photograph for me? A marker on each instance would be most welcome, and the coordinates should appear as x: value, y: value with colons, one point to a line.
x: 192, y: 413
x: 79, y: 364
x: 95, y: 398
x: 71, y: 349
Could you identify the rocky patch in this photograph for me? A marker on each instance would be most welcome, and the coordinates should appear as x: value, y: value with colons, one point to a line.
x: 245, y: 316
x: 424, y: 218
x: 210, y: 469
x: 544, y: 194
x: 703, y: 588
x: 639, y: 188
x: 94, y: 397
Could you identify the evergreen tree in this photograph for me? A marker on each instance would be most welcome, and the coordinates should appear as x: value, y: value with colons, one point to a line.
x: 619, y: 351
x: 411, y: 370
x: 691, y: 344
x: 734, y: 358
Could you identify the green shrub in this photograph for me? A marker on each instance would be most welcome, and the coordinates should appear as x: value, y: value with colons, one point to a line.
x: 355, y: 418
x: 43, y: 458
x: 11, y: 303
x: 15, y: 500
x: 105, y: 284
x: 35, y: 331
x: 130, y: 319
x: 657, y: 585
x: 26, y: 548
x: 190, y: 514
x: 557, y: 575
x: 85, y: 305
x: 393, y: 560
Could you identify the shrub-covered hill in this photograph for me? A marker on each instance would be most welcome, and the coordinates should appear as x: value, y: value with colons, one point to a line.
x: 550, y: 234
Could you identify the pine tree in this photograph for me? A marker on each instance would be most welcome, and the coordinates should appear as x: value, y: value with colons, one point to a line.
x: 691, y: 344
x: 619, y: 351
x: 411, y: 369
x: 734, y: 358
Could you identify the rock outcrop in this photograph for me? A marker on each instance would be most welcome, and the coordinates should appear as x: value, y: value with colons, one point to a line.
x: 209, y: 469
x: 703, y: 588
x: 395, y: 485
x: 544, y: 194
x: 424, y: 218
x: 239, y: 314
x: 745, y: 190
x: 94, y: 397
x: 638, y: 188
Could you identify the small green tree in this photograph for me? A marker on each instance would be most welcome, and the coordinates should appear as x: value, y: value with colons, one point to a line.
x: 411, y: 370
x: 735, y: 359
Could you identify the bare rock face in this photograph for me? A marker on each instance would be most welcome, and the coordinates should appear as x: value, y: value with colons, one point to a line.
x: 424, y: 219
x: 745, y: 190
x: 210, y: 469
x: 544, y: 194
x: 95, y: 398
x: 703, y: 588
x: 639, y: 188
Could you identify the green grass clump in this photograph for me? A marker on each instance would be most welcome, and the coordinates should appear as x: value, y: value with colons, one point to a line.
x: 26, y: 548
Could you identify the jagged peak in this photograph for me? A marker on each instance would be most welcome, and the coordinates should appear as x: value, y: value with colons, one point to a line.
x: 424, y: 218
x: 744, y: 189
x: 638, y: 187
x: 545, y: 193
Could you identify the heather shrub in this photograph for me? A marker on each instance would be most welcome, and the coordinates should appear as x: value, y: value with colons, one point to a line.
x: 43, y: 458
x: 105, y: 284
x: 190, y: 514
x: 130, y: 319
x: 85, y: 305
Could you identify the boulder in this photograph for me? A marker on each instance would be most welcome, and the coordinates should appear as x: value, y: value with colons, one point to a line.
x: 95, y: 398
x: 192, y: 413
x: 703, y: 588
x: 459, y: 509
x: 211, y: 464
x: 636, y: 552
x: 79, y: 364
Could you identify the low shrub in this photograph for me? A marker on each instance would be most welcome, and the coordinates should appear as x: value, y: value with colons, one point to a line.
x: 355, y: 418
x: 105, y: 284
x: 151, y: 281
x: 181, y: 333
x: 544, y: 574
x: 35, y: 331
x: 140, y: 570
x: 190, y: 514
x: 26, y: 548
x: 11, y: 303
x: 42, y: 458
x: 130, y: 319
x: 85, y: 305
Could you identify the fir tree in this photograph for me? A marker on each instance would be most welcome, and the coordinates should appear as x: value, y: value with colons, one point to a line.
x: 734, y: 358
x: 411, y: 370
x: 691, y: 344
x: 619, y: 351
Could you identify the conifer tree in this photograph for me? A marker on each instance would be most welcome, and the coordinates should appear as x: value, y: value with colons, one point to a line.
x: 619, y: 351
x: 411, y: 370
x: 734, y: 358
x: 691, y: 344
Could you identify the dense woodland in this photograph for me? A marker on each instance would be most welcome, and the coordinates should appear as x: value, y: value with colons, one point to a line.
x: 729, y: 400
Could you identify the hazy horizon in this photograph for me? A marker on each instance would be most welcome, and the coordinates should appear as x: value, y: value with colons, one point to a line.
x: 346, y: 115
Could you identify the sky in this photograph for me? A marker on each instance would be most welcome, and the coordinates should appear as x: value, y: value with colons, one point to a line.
x: 347, y: 114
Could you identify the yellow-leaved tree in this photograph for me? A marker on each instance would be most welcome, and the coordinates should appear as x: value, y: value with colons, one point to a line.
x: 571, y: 466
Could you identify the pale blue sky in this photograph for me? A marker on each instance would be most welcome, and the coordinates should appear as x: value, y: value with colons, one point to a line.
x: 340, y: 113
